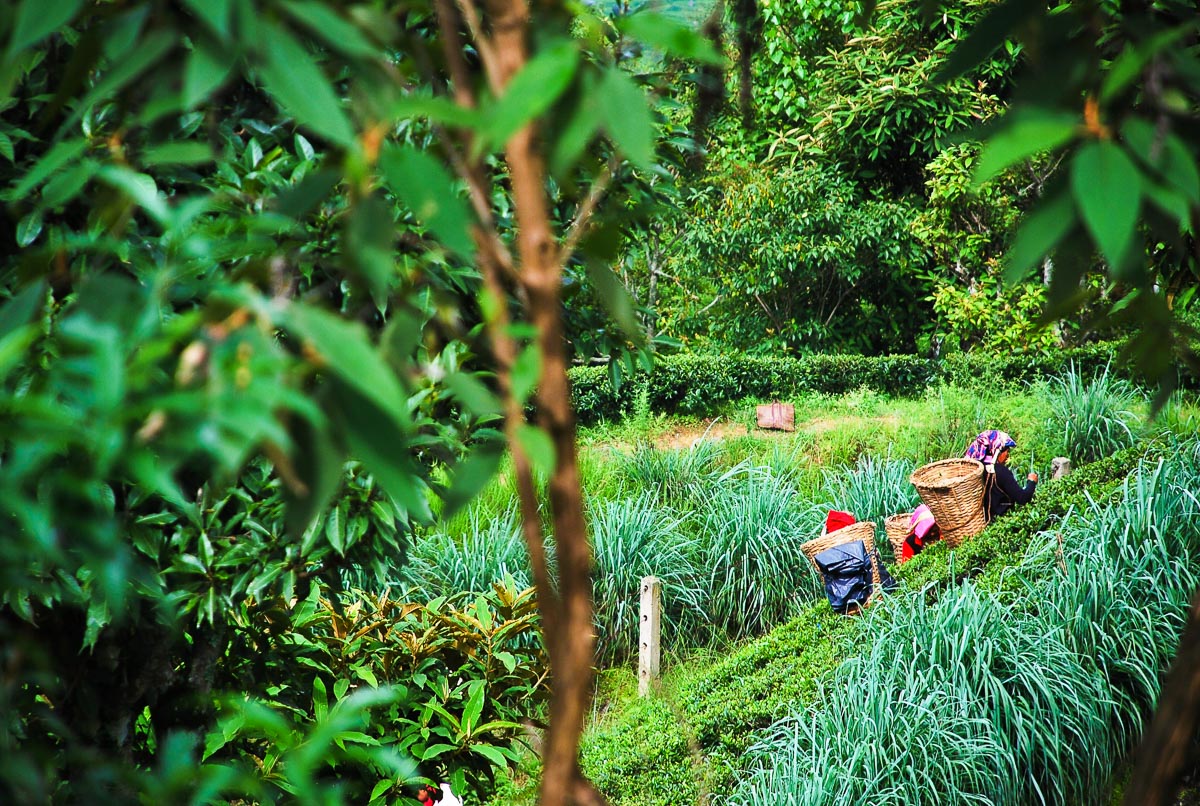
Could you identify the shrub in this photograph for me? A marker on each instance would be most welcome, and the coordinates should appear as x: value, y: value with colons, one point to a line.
x: 453, y: 677
x: 644, y: 760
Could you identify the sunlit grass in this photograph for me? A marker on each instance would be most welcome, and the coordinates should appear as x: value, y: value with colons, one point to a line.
x: 634, y: 538
x: 1097, y: 416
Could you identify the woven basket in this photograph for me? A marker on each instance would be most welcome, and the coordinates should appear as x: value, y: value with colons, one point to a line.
x: 953, y: 491
x: 864, y: 531
x: 897, y: 528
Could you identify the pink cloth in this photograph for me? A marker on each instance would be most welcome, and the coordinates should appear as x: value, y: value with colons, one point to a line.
x: 921, y: 522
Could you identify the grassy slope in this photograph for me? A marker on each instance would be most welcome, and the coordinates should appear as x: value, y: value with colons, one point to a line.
x: 685, y: 743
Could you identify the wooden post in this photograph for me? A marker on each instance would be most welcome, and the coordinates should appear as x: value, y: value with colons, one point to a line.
x: 649, y: 631
x: 1060, y: 466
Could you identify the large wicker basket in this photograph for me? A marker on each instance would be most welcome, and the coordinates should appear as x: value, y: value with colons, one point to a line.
x: 897, y: 528
x: 953, y: 491
x: 864, y: 531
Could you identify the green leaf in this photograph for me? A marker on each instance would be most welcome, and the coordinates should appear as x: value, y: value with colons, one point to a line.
x: 334, y: 532
x: 14, y: 345
x: 426, y: 188
x: 472, y: 393
x: 433, y: 751
x: 380, y: 789
x: 365, y: 674
x: 525, y: 372
x: 140, y: 187
x: 532, y: 91
x: 180, y: 153
x: 344, y: 348
x: 214, y: 13
x: 986, y: 35
x: 58, y: 156
x: 29, y: 228
x: 538, y: 447
x: 474, y: 707
x: 583, y: 122
x: 437, y: 110
x: 150, y: 49
x: 625, y: 115
x: 37, y: 19
x: 6, y: 147
x: 491, y: 753
x: 205, y: 70
x: 1165, y: 153
x: 1108, y: 192
x: 370, y: 232
x: 302, y: 198
x: 1129, y: 64
x: 21, y: 309
x: 508, y: 659
x: 483, y: 613
x: 331, y: 28
x: 66, y: 185
x: 298, y: 85
x: 1170, y: 201
x: 671, y: 37
x: 320, y: 699
x: 1039, y: 233
x: 304, y: 149
x: 97, y: 619
x: 1023, y: 134
x: 375, y: 437
x: 471, y: 475
x: 616, y: 299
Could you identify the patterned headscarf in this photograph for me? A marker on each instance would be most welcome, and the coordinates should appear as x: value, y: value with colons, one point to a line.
x: 988, y: 445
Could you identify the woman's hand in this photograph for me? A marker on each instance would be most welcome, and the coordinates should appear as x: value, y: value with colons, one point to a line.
x: 1032, y: 477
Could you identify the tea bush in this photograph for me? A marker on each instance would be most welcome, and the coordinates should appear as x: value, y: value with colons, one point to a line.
x: 966, y: 690
x: 724, y: 707
x: 699, y: 384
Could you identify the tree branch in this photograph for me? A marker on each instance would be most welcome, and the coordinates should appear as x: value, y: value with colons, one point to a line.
x: 586, y: 209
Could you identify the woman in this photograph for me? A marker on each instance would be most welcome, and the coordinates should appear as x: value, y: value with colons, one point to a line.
x: 922, y: 530
x: 1001, y: 492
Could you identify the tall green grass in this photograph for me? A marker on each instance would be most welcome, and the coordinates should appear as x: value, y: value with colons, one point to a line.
x: 751, y: 526
x: 958, y: 702
x: 1096, y: 417
x: 672, y: 475
x: 872, y: 490
x: 631, y: 539
x: 490, y: 548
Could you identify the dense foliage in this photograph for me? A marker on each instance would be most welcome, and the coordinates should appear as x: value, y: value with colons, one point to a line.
x: 276, y: 300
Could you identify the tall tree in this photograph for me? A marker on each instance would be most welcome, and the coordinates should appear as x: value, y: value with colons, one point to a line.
x: 200, y: 306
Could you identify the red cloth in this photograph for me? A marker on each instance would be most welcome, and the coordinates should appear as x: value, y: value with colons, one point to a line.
x: 837, y: 519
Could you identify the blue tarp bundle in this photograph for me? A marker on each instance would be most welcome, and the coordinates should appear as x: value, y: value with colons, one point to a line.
x: 847, y: 572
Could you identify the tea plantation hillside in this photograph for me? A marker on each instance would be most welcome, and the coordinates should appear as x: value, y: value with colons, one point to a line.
x: 955, y: 680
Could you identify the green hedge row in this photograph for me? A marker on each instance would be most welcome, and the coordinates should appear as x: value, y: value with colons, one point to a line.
x: 699, y: 384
